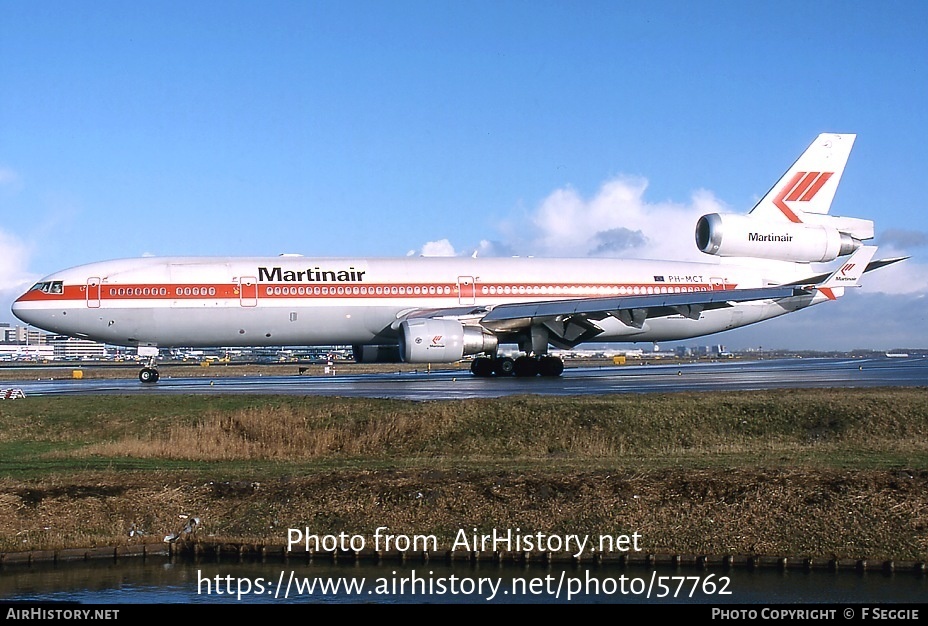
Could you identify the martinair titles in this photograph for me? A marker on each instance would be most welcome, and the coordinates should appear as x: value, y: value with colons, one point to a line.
x: 770, y: 237
x: 279, y: 275
x: 440, y: 310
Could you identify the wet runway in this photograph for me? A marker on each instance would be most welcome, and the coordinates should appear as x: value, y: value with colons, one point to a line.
x: 440, y: 385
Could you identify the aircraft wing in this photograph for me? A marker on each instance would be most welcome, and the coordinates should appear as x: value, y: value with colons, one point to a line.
x: 607, y: 306
x: 600, y: 307
x: 570, y: 322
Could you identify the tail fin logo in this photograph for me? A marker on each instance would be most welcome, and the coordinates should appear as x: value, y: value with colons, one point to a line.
x: 847, y: 268
x: 802, y: 187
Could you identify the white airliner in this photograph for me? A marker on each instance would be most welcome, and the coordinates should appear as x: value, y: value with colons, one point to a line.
x: 439, y: 310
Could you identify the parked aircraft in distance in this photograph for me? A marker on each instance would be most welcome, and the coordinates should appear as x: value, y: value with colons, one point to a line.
x: 439, y: 310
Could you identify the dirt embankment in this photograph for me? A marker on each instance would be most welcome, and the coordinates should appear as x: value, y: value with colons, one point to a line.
x: 878, y: 514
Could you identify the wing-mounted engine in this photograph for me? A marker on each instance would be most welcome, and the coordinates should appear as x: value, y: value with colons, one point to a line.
x: 431, y: 340
x: 819, y: 239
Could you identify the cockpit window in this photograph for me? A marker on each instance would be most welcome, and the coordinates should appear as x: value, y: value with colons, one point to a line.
x: 51, y: 286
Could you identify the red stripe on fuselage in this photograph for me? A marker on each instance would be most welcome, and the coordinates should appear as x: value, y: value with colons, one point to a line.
x: 199, y: 291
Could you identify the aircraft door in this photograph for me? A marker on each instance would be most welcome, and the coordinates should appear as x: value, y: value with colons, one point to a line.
x: 93, y: 292
x: 248, y: 291
x: 718, y: 284
x: 467, y: 290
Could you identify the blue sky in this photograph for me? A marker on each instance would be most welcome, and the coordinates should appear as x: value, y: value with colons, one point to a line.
x: 380, y: 128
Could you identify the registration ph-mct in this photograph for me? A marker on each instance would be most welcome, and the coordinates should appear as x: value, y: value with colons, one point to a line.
x: 509, y: 540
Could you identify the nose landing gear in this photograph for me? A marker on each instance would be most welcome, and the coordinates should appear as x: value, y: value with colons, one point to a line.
x: 149, y: 373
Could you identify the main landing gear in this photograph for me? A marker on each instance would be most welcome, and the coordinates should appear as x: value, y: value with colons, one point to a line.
x: 524, y: 366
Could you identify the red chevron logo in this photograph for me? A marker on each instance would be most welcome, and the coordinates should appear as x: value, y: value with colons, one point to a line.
x: 802, y: 187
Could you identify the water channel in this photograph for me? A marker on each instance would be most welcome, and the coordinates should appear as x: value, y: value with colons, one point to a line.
x: 161, y: 580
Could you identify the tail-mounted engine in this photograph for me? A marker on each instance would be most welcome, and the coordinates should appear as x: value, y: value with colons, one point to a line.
x: 442, y: 341
x: 745, y: 236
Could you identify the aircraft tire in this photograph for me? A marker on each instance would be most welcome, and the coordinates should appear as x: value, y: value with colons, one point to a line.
x: 482, y: 367
x: 550, y: 366
x: 526, y: 366
x: 503, y: 366
x: 149, y: 375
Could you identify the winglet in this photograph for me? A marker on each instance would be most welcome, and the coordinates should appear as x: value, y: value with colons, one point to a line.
x: 848, y: 275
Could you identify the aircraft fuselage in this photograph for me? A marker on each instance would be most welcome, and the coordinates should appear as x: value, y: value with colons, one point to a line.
x: 287, y: 300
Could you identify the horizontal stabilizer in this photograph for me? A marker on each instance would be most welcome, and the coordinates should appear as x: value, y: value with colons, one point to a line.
x: 848, y: 275
x: 872, y: 265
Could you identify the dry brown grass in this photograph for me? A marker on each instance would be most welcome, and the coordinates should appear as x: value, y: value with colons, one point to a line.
x: 806, y: 424
x: 282, y: 433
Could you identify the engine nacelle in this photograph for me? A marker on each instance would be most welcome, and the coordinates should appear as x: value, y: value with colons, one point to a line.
x: 442, y: 341
x: 744, y: 236
x: 376, y: 354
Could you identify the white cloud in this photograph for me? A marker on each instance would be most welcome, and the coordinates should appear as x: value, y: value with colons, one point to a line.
x: 618, y: 221
x: 14, y: 275
x: 441, y: 247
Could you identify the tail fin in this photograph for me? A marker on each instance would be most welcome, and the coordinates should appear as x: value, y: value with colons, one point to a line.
x: 810, y: 184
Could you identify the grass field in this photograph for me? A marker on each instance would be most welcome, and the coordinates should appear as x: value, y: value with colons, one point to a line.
x: 820, y: 473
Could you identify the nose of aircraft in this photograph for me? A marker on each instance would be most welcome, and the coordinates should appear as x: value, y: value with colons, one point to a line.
x: 33, y: 306
x: 23, y: 309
